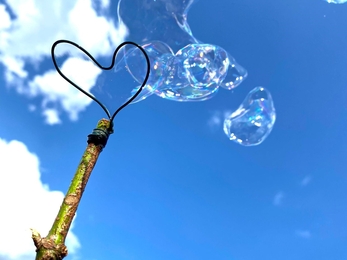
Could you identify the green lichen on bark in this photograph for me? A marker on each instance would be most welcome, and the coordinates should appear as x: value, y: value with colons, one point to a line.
x: 52, y: 247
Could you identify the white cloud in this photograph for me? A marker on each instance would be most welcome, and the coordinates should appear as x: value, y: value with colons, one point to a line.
x: 278, y: 199
x: 216, y: 119
x: 14, y: 66
x: 59, y: 93
x: 105, y: 3
x: 303, y: 233
x: 5, y: 19
x: 305, y: 181
x: 39, y: 23
x: 22, y: 195
x: 26, y: 40
x: 51, y: 116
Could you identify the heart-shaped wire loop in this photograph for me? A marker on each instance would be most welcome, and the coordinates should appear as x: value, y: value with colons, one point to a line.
x: 103, y: 68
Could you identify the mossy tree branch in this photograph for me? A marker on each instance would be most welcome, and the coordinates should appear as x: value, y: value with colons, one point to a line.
x: 52, y: 247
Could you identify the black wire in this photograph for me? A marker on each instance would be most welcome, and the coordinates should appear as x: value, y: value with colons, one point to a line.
x: 104, y: 68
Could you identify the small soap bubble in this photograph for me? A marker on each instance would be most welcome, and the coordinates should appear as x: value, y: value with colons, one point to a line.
x: 236, y: 74
x: 253, y: 121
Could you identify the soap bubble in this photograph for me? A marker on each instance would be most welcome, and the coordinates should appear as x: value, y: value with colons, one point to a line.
x: 185, y: 69
x: 253, y: 121
x: 160, y: 20
x: 236, y: 74
x: 194, y: 73
x: 203, y: 64
x: 159, y: 55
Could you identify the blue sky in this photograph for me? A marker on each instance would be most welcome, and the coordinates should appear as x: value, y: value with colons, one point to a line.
x: 169, y: 184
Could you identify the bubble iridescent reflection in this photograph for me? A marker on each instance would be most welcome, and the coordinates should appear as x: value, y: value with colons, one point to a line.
x: 159, y: 55
x: 253, y: 121
x: 185, y: 69
x: 194, y: 73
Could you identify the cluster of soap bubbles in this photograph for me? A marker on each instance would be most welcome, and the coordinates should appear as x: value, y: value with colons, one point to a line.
x: 193, y: 73
x: 185, y: 69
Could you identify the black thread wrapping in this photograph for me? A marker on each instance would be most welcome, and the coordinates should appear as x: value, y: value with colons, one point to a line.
x: 98, y: 137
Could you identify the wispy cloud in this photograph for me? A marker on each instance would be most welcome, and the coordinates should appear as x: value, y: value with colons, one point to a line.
x: 75, y: 20
x: 22, y: 195
x: 305, y: 181
x: 217, y: 119
x: 303, y: 233
x: 58, y: 93
x: 278, y: 199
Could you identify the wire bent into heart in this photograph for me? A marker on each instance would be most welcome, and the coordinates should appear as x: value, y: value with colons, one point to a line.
x: 103, y: 68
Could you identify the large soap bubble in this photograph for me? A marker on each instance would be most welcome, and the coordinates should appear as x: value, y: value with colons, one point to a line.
x: 253, y: 121
x: 182, y: 68
x: 194, y: 73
